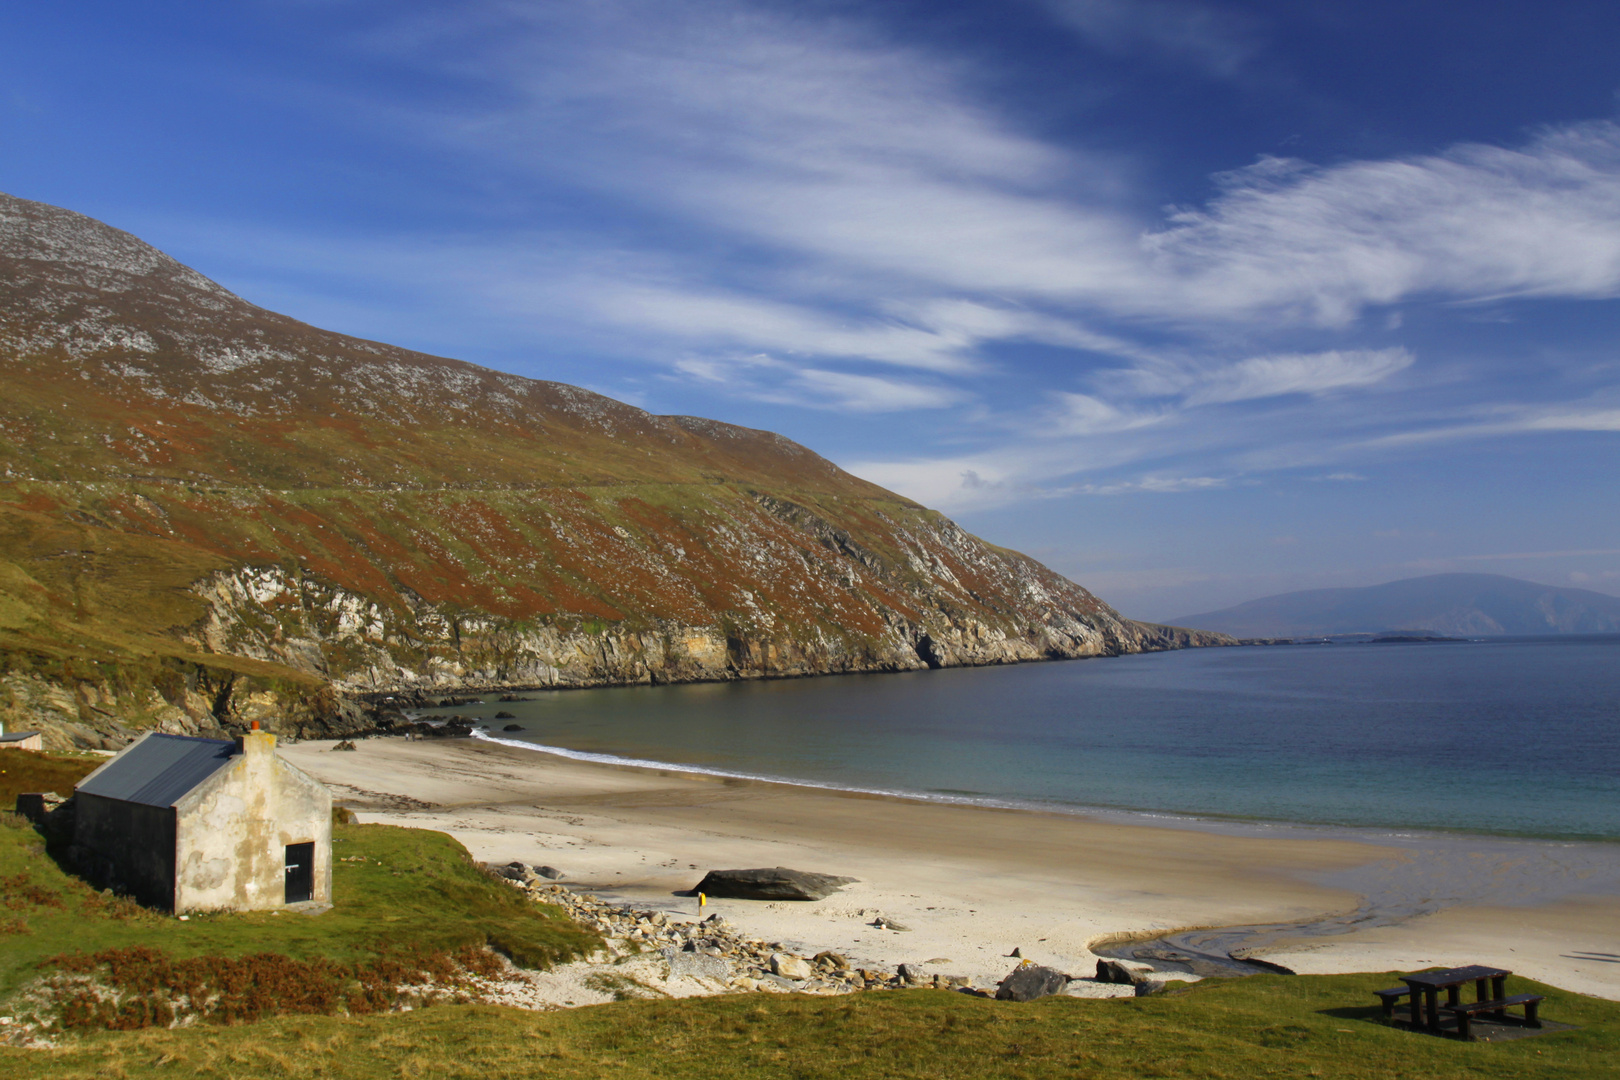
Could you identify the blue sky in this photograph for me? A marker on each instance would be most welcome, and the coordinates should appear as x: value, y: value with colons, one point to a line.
x: 1194, y: 301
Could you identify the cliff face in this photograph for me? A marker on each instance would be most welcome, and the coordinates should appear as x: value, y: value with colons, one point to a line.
x: 214, y: 513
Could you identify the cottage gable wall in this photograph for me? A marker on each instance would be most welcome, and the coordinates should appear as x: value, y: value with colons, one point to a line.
x: 232, y: 832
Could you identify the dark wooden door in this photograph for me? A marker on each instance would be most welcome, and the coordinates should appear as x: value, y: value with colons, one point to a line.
x: 300, y: 873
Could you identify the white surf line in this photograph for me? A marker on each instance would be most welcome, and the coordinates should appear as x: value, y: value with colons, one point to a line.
x: 728, y: 774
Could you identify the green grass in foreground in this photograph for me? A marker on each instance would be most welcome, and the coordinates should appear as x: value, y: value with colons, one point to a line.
x: 1262, y: 1026
x: 395, y: 891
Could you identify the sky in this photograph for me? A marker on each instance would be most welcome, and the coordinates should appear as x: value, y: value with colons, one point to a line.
x: 1194, y: 302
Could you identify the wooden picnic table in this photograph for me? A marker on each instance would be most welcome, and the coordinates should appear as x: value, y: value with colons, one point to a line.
x: 1428, y: 984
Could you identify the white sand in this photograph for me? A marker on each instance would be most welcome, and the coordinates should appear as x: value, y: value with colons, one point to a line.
x: 971, y: 883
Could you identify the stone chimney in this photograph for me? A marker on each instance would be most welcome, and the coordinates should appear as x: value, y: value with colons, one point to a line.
x: 256, y: 744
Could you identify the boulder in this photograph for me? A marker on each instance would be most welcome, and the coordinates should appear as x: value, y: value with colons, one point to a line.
x: 775, y: 883
x: 832, y: 960
x: 912, y: 973
x: 1115, y: 971
x: 1148, y: 986
x: 550, y: 873
x: 788, y: 966
x: 1030, y: 981
x: 503, y: 715
x: 697, y: 965
x: 513, y: 727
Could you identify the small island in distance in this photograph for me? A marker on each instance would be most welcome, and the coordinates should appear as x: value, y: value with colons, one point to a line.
x: 1443, y: 605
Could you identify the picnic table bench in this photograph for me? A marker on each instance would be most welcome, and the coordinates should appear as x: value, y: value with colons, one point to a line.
x: 1490, y: 996
x: 1464, y: 1013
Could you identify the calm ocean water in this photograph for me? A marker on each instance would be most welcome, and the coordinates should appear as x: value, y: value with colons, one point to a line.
x: 1516, y: 737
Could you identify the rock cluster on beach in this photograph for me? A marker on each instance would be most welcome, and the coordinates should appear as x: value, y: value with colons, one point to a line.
x: 714, y: 949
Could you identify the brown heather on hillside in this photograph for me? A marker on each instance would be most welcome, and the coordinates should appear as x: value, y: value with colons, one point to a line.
x: 213, y: 513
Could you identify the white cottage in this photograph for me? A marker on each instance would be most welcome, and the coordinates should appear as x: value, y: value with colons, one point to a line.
x: 206, y: 824
x: 20, y: 740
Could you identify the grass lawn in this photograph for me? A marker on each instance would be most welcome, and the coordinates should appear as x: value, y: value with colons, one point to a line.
x: 395, y: 891
x: 1263, y: 1026
x: 30, y: 770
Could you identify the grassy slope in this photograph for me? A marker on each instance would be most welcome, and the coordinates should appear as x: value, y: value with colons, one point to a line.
x: 410, y: 890
x: 1258, y: 1027
x: 29, y: 770
x: 157, y: 430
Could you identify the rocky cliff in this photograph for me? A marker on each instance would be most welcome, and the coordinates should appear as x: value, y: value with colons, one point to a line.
x: 213, y: 513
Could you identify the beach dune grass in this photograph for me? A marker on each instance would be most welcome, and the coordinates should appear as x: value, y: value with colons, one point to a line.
x: 396, y: 892
x: 1261, y: 1026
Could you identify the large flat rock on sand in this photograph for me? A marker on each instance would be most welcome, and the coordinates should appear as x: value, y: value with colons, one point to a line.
x: 772, y: 883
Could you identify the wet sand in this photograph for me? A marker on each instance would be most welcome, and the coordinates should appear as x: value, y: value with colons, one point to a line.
x: 971, y: 883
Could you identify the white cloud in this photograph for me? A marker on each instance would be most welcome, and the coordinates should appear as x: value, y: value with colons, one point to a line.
x: 810, y: 213
x: 1082, y: 414
x: 730, y: 319
x: 1509, y: 420
x: 1153, y: 485
x: 854, y: 170
x: 1298, y: 373
x: 1211, y: 37
x: 1475, y: 222
x: 869, y: 393
x: 765, y: 378
x: 1583, y: 553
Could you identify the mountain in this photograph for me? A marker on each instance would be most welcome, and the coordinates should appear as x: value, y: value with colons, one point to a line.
x: 210, y: 512
x: 1465, y: 605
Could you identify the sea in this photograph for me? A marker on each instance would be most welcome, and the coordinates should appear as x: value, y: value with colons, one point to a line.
x: 1506, y: 737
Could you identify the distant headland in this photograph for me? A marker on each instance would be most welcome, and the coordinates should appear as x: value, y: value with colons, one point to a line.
x: 1445, y: 605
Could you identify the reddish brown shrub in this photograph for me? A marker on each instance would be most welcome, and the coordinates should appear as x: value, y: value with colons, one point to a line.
x: 18, y: 892
x: 242, y: 989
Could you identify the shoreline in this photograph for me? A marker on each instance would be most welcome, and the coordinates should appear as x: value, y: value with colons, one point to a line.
x: 1234, y: 824
x: 974, y: 882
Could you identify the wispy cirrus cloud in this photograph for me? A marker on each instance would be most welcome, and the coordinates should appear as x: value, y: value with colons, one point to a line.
x: 1472, y: 223
x: 824, y: 215
x: 854, y: 169
x: 1211, y: 37
x: 765, y: 378
x: 1509, y: 420
x: 1298, y: 373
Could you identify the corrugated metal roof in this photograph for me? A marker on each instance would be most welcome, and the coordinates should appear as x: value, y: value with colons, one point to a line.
x: 160, y: 769
x: 17, y: 736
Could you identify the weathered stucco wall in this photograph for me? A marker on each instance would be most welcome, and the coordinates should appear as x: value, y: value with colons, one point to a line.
x: 234, y: 828
x: 126, y: 846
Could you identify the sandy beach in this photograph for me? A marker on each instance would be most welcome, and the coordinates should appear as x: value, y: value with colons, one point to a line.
x: 970, y: 883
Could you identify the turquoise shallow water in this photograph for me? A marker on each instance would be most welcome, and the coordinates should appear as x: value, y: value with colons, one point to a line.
x: 1518, y: 737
